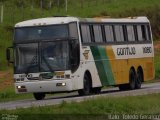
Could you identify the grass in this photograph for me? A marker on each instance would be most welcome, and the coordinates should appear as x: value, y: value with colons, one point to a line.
x: 9, y: 94
x: 157, y: 59
x: 100, y: 107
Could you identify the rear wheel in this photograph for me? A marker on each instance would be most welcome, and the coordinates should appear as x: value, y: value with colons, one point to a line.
x: 139, y: 79
x: 39, y: 96
x: 132, y: 79
x: 123, y: 87
x: 86, y: 86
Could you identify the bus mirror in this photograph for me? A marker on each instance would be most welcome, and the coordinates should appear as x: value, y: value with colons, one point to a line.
x: 8, y: 55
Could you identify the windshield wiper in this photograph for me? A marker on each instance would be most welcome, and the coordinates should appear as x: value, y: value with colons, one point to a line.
x: 33, y: 62
x: 48, y: 65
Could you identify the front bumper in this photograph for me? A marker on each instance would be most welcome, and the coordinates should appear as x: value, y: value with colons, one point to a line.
x: 44, y: 86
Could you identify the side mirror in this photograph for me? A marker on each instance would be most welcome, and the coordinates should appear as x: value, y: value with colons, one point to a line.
x: 8, y: 54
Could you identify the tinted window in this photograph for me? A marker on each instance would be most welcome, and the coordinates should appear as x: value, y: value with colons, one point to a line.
x: 42, y: 32
x: 139, y: 33
x: 119, y: 33
x: 97, y: 33
x: 109, y: 33
x: 149, y: 32
x: 130, y: 33
x: 144, y: 34
x: 86, y: 38
x: 73, y: 30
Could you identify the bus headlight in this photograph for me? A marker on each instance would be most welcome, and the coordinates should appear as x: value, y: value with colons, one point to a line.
x: 19, y: 87
x: 61, y: 84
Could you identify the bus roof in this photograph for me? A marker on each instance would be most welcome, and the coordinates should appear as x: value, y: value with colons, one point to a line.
x: 46, y: 21
x: 64, y: 20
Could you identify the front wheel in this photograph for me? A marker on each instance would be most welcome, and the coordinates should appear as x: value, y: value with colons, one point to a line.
x: 86, y: 86
x: 39, y: 96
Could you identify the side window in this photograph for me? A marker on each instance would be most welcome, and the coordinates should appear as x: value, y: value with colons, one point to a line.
x: 143, y: 33
x: 109, y: 33
x: 130, y: 33
x: 149, y: 32
x: 92, y: 33
x: 86, y: 38
x: 146, y: 32
x: 125, y: 32
x: 139, y: 33
x: 97, y: 33
x: 73, y: 30
x: 119, y: 33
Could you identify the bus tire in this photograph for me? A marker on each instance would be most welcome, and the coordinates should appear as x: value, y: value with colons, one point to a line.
x: 132, y: 79
x: 123, y: 87
x: 139, y: 79
x: 86, y: 86
x: 96, y: 90
x: 39, y: 96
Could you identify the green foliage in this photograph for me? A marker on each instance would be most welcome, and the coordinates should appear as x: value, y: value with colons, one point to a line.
x: 157, y: 62
x: 98, y: 108
x: 20, y: 10
x: 8, y: 94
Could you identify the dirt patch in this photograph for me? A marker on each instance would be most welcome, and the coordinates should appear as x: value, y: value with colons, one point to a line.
x: 157, y: 46
x: 6, y: 79
x: 4, y: 74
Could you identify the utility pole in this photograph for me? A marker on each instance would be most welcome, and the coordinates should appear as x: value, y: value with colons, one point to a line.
x: 81, y: 3
x: 41, y: 4
x: 32, y: 5
x: 50, y: 4
x: 58, y: 4
x: 2, y: 9
x: 66, y: 6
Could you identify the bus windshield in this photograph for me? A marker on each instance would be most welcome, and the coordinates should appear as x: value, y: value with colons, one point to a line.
x: 41, y: 57
x: 40, y: 32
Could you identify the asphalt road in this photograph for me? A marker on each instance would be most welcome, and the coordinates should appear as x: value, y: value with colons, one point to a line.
x: 69, y: 97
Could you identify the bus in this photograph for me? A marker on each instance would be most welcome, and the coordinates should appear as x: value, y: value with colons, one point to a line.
x: 65, y: 54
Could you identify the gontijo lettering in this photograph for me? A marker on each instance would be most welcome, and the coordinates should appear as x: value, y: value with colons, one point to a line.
x: 126, y: 51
